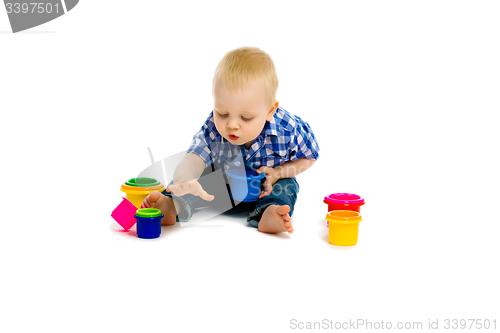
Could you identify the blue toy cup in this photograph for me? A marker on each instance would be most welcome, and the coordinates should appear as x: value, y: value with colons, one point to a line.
x: 148, y: 223
x: 245, y: 184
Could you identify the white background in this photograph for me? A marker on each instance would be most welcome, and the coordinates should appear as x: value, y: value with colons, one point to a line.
x: 402, y: 97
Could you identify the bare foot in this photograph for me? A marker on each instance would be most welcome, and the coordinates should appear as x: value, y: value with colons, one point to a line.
x: 276, y: 219
x: 165, y: 204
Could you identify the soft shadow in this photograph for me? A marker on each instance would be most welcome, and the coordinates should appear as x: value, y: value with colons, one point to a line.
x: 241, y: 210
x: 166, y: 230
x: 27, y: 32
x: 239, y: 213
x: 198, y: 225
x: 282, y: 235
x: 115, y: 227
x: 132, y: 232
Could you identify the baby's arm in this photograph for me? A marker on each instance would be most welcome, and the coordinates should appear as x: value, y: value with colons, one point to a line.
x: 186, y: 177
x: 191, y: 167
x: 292, y: 168
x: 286, y: 170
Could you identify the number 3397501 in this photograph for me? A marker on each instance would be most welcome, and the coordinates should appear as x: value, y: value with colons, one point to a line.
x: 31, y: 7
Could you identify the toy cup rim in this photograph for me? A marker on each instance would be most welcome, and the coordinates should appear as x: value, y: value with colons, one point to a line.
x: 148, y: 212
x: 150, y: 184
x: 359, y: 201
x: 247, y: 178
x: 335, y: 216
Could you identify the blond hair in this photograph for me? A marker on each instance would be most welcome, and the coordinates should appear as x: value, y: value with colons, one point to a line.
x: 246, y: 65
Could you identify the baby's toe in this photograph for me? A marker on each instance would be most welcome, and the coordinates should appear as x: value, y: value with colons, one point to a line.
x: 145, y: 203
x: 288, y: 223
x: 152, y: 199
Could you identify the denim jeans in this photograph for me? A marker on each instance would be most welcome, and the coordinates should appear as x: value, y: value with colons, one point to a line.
x: 284, y: 192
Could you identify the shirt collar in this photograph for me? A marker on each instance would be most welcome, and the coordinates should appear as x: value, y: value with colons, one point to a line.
x: 270, y: 128
x: 273, y: 127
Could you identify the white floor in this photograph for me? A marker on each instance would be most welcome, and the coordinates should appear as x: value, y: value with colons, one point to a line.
x: 419, y: 257
x: 403, y: 100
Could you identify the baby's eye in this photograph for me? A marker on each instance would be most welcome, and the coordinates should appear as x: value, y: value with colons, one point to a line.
x: 246, y: 119
x: 222, y: 115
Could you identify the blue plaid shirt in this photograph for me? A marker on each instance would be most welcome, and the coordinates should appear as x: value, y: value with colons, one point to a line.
x: 285, y: 138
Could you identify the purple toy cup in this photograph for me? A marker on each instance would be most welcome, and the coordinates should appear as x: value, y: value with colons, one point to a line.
x: 124, y: 214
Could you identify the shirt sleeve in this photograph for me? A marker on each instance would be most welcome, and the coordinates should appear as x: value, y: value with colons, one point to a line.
x: 303, y: 143
x: 202, y: 141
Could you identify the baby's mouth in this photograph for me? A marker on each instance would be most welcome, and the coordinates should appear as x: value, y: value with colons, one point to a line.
x: 233, y: 137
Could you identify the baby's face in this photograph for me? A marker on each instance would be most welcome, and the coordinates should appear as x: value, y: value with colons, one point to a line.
x: 240, y: 115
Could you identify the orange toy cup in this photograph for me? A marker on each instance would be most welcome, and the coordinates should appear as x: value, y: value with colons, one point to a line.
x: 343, y: 227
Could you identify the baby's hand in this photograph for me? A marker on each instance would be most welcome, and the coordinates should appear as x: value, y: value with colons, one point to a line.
x: 272, y: 177
x: 191, y: 186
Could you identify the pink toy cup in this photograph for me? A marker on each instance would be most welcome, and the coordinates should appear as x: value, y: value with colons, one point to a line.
x: 344, y: 201
x: 124, y: 214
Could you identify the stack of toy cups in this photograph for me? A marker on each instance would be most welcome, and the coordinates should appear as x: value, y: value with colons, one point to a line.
x: 343, y: 218
x: 137, y: 189
x: 148, y: 223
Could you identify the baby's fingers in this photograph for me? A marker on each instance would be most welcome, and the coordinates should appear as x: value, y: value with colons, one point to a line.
x: 173, y: 188
x: 179, y: 189
x: 205, y: 196
x: 195, y: 188
x: 268, y: 188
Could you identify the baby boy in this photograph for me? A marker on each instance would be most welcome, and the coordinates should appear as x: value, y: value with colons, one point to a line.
x: 246, y: 120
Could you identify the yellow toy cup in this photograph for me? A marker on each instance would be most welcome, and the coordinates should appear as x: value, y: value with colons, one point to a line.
x: 137, y: 194
x: 343, y: 227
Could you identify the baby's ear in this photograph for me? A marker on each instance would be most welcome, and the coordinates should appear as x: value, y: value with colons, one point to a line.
x: 271, y: 113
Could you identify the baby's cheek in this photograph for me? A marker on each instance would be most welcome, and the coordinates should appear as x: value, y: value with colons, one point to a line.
x: 217, y: 127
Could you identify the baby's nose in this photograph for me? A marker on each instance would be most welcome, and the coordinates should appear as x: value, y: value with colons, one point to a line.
x: 233, y: 125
